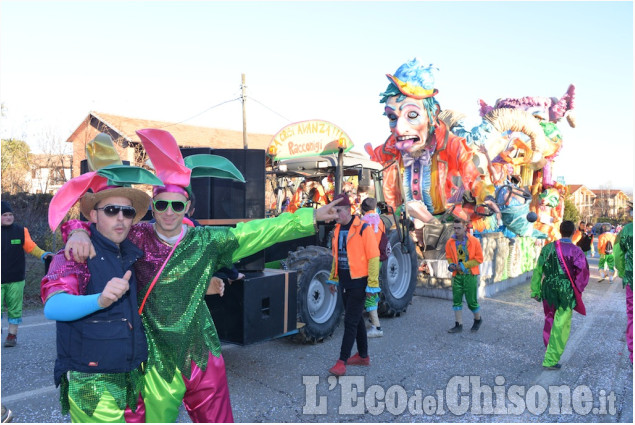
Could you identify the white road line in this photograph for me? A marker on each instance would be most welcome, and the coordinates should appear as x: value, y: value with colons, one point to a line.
x: 23, y: 326
x: 27, y: 394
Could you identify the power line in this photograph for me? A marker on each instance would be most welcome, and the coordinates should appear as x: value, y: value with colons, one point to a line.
x: 201, y: 113
x: 265, y: 106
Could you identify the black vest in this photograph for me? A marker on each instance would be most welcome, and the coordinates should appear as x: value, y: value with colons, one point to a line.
x: 13, y: 263
x: 110, y: 340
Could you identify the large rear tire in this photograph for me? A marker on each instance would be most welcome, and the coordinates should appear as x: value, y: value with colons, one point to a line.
x: 397, y: 277
x: 318, y: 309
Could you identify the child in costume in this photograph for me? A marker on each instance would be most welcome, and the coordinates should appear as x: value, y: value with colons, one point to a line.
x: 100, y: 340
x: 606, y: 242
x: 185, y: 364
x: 370, y: 217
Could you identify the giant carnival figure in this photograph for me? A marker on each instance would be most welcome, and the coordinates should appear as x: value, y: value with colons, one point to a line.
x: 522, y: 136
x: 437, y: 165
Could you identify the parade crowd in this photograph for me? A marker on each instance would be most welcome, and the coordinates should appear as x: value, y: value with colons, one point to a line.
x: 135, y: 339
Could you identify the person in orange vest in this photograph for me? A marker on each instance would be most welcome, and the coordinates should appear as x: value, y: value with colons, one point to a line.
x: 464, y: 254
x: 607, y: 261
x: 298, y: 199
x: 577, y: 235
x: 355, y: 271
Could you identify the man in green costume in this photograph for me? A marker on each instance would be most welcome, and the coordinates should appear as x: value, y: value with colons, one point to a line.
x: 558, y: 280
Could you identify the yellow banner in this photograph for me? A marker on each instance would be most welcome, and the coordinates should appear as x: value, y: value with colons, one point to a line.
x: 308, y: 138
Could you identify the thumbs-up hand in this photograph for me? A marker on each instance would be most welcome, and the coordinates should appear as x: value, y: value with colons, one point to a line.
x: 115, y: 289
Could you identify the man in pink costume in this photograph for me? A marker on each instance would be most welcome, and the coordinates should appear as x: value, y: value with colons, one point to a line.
x: 624, y: 263
x: 184, y: 354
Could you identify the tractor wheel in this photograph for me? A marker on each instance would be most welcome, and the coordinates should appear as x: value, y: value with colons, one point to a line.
x: 318, y: 309
x: 397, y: 277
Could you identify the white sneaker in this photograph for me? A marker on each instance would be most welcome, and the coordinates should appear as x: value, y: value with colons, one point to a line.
x: 374, y: 332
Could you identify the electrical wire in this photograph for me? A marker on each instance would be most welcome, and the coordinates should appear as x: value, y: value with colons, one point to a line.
x: 201, y: 113
x: 265, y: 106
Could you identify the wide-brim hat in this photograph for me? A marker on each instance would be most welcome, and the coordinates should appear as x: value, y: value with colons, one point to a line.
x: 140, y: 200
x: 415, y: 80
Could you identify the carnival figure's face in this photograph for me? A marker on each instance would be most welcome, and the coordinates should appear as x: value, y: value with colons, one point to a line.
x: 7, y: 219
x: 409, y: 123
x: 168, y: 221
x: 114, y: 228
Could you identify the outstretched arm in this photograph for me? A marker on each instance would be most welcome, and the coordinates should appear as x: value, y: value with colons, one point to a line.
x: 256, y: 235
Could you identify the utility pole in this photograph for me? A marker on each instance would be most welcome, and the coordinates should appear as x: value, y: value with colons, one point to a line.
x: 243, y: 97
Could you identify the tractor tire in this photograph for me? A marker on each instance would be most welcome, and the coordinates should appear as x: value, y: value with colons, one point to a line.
x: 397, y: 277
x: 318, y: 309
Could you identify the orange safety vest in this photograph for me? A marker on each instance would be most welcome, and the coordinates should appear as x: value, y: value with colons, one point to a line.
x: 359, y: 249
x: 474, y: 252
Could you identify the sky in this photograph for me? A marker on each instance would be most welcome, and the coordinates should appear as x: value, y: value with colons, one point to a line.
x: 182, y: 62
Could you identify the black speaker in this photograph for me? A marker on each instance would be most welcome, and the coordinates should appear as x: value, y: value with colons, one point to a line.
x: 228, y: 199
x: 260, y: 307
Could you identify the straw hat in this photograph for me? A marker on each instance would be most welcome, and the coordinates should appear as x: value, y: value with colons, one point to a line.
x: 140, y: 200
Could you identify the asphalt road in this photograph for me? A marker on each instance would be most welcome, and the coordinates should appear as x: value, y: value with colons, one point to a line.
x: 419, y: 372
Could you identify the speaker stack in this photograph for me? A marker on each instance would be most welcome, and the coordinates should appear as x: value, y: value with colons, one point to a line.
x: 227, y: 200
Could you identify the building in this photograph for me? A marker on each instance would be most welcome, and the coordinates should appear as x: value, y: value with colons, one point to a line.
x: 610, y: 203
x: 48, y: 172
x: 122, y: 131
x: 583, y: 198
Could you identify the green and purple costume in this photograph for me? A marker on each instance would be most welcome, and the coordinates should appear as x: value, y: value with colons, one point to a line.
x: 551, y: 284
x: 623, y: 252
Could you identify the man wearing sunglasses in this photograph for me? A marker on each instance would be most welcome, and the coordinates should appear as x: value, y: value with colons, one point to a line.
x: 100, y: 339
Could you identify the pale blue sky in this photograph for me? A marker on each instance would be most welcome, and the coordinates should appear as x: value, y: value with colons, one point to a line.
x: 319, y: 60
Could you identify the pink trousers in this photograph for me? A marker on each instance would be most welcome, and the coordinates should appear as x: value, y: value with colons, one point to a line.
x: 629, y: 320
x: 205, y: 396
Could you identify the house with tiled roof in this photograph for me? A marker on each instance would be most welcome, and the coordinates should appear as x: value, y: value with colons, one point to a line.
x: 583, y: 198
x: 122, y: 130
x: 610, y: 202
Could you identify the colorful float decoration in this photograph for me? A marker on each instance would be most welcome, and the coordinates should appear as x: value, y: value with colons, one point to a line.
x: 497, y: 175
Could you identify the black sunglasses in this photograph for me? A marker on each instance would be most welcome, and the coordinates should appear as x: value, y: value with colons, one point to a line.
x: 113, y: 210
x: 177, y: 206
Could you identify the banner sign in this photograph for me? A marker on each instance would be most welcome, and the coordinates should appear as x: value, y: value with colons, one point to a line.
x: 308, y: 138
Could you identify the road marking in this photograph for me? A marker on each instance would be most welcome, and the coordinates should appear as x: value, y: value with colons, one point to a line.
x: 27, y: 394
x: 23, y: 326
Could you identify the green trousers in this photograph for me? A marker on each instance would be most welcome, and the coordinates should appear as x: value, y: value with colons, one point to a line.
x: 558, y: 337
x: 465, y: 284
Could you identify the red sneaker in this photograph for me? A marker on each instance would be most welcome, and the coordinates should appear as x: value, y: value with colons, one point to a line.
x: 339, y: 369
x: 358, y: 360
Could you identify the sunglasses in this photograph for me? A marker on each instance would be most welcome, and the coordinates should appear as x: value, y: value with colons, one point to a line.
x: 177, y: 206
x: 113, y: 210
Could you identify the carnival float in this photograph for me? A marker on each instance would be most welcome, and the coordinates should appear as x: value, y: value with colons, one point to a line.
x: 496, y: 175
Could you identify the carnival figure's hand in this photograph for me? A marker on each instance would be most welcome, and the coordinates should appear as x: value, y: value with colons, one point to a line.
x: 216, y: 286
x: 327, y: 212
x: 482, y: 149
x: 115, y: 289
x: 82, y: 247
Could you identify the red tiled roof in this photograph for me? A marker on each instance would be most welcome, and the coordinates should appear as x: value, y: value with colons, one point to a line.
x: 185, y: 135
